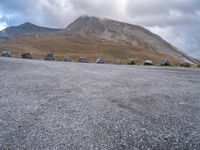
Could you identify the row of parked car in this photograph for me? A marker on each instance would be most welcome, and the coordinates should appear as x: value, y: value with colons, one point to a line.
x: 50, y: 57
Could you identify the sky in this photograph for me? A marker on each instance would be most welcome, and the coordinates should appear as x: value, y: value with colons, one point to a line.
x: 177, y: 21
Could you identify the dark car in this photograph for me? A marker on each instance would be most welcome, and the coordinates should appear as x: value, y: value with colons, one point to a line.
x: 49, y: 56
x: 6, y: 54
x: 27, y: 56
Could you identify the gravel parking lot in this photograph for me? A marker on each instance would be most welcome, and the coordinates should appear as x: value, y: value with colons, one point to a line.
x: 59, y: 105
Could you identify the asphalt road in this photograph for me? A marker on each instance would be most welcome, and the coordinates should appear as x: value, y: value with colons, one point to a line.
x: 58, y: 105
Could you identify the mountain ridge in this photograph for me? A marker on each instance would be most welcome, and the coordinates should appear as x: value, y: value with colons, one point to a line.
x: 118, y: 31
x: 88, y: 35
x: 25, y: 28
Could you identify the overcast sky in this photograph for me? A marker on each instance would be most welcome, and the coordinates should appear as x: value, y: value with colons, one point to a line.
x: 177, y: 21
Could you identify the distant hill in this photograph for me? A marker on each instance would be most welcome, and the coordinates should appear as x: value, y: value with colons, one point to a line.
x: 26, y: 28
x: 198, y: 59
x: 94, y: 37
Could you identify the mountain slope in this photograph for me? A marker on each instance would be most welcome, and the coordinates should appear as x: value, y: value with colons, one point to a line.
x: 123, y: 32
x: 26, y: 28
x: 94, y: 37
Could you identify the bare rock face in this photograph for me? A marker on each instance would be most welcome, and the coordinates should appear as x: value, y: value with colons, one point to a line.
x: 123, y: 32
x: 86, y: 25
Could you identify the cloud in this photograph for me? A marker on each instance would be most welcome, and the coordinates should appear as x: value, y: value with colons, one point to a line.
x: 3, y: 25
x: 162, y: 13
x: 175, y: 20
x: 59, y: 13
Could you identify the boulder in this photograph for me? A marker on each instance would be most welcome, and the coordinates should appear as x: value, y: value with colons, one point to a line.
x: 117, y: 62
x: 165, y: 62
x: 6, y: 54
x: 27, y: 56
x: 131, y: 62
x: 185, y: 64
x: 67, y: 59
x: 148, y: 62
x: 100, y: 61
x: 83, y: 60
x: 49, y: 56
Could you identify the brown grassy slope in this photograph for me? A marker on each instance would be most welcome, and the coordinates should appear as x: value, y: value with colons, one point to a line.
x: 78, y: 46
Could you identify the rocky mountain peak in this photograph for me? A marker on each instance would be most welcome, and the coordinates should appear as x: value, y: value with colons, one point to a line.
x: 25, y: 28
x: 117, y: 31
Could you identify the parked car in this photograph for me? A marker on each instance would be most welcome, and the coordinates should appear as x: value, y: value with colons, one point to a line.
x: 148, y: 62
x: 6, y: 54
x: 49, y: 56
x: 100, y: 61
x: 83, y: 60
x: 27, y: 56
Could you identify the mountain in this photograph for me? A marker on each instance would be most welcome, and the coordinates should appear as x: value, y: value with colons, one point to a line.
x: 198, y: 60
x: 123, y: 32
x: 94, y: 37
x: 26, y: 28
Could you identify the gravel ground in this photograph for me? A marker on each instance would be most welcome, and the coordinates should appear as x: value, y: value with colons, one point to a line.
x: 58, y: 105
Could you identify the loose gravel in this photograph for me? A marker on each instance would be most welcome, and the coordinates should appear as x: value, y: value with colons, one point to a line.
x: 59, y: 105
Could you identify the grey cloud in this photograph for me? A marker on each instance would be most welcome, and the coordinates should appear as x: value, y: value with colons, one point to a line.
x: 102, y: 7
x: 57, y: 13
x: 158, y: 12
x: 182, y: 16
x: 143, y: 7
x: 17, y: 5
